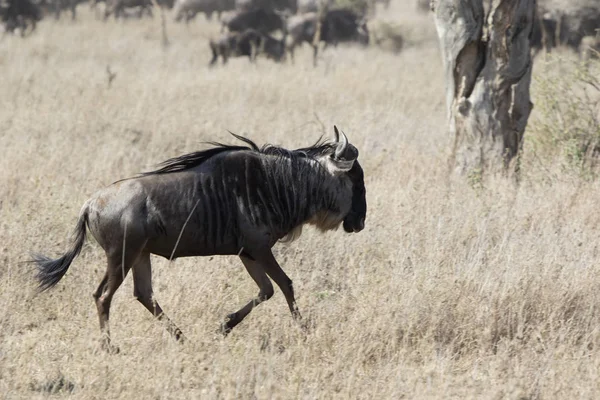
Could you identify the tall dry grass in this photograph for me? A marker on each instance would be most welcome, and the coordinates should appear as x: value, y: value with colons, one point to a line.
x: 453, y: 290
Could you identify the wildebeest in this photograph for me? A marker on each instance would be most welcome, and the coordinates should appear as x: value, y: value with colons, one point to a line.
x: 60, y: 6
x: 226, y: 200
x: 331, y: 27
x: 20, y: 14
x: 189, y: 8
x: 544, y: 33
x: 260, y: 19
x: 301, y: 28
x: 250, y: 43
x: 564, y: 27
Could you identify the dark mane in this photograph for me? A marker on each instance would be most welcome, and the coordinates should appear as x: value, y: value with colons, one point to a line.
x: 191, y: 160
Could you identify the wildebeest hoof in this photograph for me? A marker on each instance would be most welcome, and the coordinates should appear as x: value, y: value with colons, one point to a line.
x: 224, y: 329
x: 230, y: 322
x: 110, y: 348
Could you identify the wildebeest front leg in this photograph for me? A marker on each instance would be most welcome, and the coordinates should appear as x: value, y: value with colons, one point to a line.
x: 275, y: 272
x: 266, y: 292
x: 142, y: 290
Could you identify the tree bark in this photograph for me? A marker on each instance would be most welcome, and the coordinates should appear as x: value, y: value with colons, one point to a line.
x: 487, y: 62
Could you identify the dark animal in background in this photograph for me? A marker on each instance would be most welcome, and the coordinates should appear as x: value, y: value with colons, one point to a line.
x: 250, y: 43
x: 331, y: 27
x: 20, y: 14
x: 302, y: 28
x: 545, y: 29
x: 556, y: 27
x: 226, y: 200
x: 60, y: 6
x: 343, y: 25
x: 187, y: 9
x: 260, y: 19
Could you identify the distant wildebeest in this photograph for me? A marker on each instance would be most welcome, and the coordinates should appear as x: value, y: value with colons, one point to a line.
x: 226, y: 200
x: 118, y: 7
x: 60, y: 6
x: 279, y: 5
x: 568, y: 28
x: 20, y: 14
x: 187, y: 9
x: 249, y: 43
x: 302, y: 28
x: 343, y: 25
x: 260, y: 19
x: 331, y: 27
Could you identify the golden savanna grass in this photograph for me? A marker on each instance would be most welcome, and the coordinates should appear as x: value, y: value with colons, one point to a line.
x: 455, y: 289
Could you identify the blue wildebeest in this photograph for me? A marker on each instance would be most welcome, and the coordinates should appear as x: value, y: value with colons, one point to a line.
x: 249, y: 43
x: 261, y: 19
x: 329, y: 26
x: 19, y: 14
x: 226, y: 200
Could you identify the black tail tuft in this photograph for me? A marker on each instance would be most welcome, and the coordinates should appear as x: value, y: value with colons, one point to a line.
x: 50, y: 271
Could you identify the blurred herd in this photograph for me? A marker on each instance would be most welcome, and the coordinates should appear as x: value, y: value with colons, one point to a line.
x: 275, y: 28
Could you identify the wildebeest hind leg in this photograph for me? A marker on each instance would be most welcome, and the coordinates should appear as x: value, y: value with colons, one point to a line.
x: 142, y: 290
x: 113, y: 278
x: 266, y: 292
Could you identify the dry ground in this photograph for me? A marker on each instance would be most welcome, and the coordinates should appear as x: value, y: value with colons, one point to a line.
x: 451, y: 291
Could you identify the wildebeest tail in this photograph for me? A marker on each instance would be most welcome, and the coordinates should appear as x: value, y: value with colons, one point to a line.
x: 49, y: 271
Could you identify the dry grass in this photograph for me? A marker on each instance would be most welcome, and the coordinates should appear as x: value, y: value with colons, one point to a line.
x: 453, y: 290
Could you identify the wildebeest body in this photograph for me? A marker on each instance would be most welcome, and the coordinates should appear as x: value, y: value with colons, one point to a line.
x: 260, y: 19
x: 230, y: 205
x: 332, y: 27
x: 222, y: 201
x: 343, y: 25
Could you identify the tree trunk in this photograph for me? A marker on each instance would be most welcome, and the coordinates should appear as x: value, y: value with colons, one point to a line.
x: 487, y: 65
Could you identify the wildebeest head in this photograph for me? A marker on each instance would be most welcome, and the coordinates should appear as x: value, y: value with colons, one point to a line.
x: 343, y: 161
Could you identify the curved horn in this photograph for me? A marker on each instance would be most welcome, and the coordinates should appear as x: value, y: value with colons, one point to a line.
x: 337, y: 134
x: 342, y: 145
